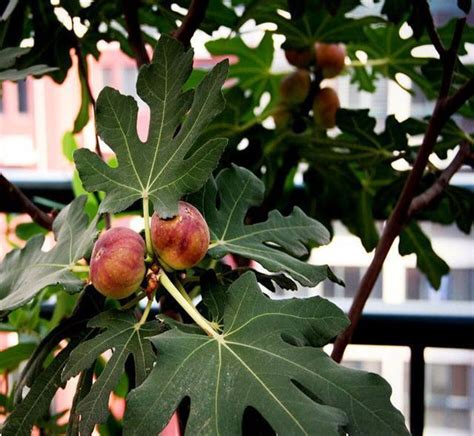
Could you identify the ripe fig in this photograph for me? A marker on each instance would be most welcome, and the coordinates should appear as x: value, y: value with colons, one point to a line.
x: 330, y: 59
x: 183, y: 240
x: 325, y: 105
x: 299, y: 57
x: 117, y: 265
x: 294, y: 88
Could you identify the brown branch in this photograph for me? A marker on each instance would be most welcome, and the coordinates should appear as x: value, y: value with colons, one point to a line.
x: 12, y: 193
x: 450, y: 58
x: 432, y: 32
x: 424, y: 199
x: 192, y: 21
x: 444, y: 108
x: 130, y: 11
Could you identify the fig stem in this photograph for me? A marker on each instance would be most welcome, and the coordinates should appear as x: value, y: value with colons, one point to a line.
x: 146, y: 219
x: 80, y: 268
x: 188, y: 308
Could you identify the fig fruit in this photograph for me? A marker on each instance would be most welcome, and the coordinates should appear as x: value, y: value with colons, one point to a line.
x: 117, y: 265
x: 299, y: 57
x: 330, y: 59
x: 183, y: 240
x: 294, y: 88
x: 325, y: 105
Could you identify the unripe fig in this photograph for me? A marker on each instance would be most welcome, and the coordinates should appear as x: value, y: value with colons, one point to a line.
x: 325, y: 105
x: 281, y: 116
x: 183, y: 240
x: 294, y: 88
x: 330, y: 58
x: 299, y: 57
x: 117, y: 265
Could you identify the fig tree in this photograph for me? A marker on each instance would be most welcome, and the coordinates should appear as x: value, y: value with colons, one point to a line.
x: 299, y: 57
x: 325, y: 105
x: 294, y: 88
x: 117, y: 265
x: 330, y: 59
x: 183, y: 240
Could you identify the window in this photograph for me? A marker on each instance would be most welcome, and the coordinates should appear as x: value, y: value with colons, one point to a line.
x: 129, y: 78
x: 458, y: 285
x: 22, y: 96
x: 107, y: 77
x: 449, y: 397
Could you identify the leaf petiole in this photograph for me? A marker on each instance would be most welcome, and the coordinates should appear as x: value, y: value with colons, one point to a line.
x: 188, y: 308
x: 146, y: 219
x: 132, y: 303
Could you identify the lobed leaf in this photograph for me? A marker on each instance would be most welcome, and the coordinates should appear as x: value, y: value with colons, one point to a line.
x: 24, y: 273
x: 277, y: 244
x: 171, y: 162
x: 120, y: 334
x: 297, y: 389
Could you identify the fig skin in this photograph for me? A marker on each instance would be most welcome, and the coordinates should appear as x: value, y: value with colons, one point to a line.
x: 330, y: 59
x: 183, y: 240
x: 117, y: 265
x: 325, y: 105
x: 301, y: 58
x: 294, y: 88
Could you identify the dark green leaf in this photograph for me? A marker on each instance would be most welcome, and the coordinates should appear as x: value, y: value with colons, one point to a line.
x: 276, y: 243
x: 120, y: 334
x: 25, y: 272
x: 25, y: 231
x: 159, y: 169
x: 297, y: 389
x: 38, y: 399
x: 413, y: 240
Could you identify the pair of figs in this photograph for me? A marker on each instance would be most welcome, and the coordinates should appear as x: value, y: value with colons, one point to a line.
x: 117, y: 265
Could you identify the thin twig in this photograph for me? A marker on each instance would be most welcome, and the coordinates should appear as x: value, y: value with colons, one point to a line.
x: 444, y: 108
x: 431, y: 28
x: 424, y: 199
x: 191, y: 22
x: 12, y: 193
x: 449, y: 60
x: 130, y: 11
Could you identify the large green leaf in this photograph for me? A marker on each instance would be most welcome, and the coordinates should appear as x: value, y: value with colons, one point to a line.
x: 122, y: 335
x: 277, y: 244
x: 13, y: 356
x: 253, y: 69
x: 25, y: 272
x: 172, y: 162
x: 8, y: 58
x: 256, y: 363
x: 413, y: 240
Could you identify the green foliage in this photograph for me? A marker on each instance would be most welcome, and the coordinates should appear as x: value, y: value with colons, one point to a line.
x: 168, y: 173
x: 259, y: 353
x: 119, y: 331
x: 26, y: 272
x: 276, y: 243
x: 263, y: 342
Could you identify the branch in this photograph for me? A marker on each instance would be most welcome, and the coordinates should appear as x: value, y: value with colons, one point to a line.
x: 450, y: 58
x: 432, y: 32
x: 15, y: 195
x: 423, y: 200
x: 444, y: 108
x: 194, y: 17
x: 130, y: 11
